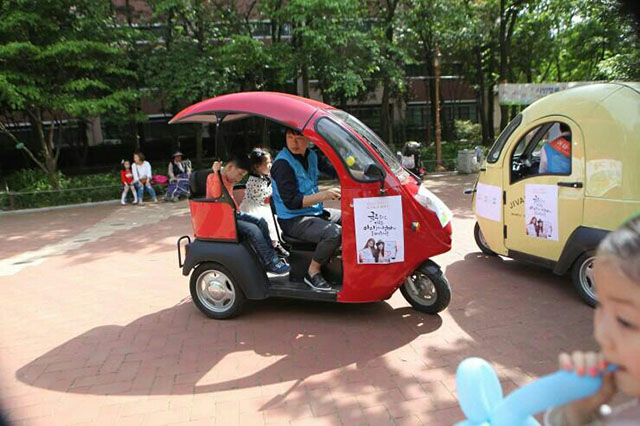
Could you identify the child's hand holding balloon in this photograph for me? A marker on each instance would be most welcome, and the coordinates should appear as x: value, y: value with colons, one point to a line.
x: 591, y: 364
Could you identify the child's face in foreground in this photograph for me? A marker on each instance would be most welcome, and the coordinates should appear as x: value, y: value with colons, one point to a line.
x: 127, y: 165
x: 617, y: 324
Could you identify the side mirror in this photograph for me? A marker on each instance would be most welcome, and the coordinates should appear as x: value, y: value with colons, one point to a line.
x: 374, y: 172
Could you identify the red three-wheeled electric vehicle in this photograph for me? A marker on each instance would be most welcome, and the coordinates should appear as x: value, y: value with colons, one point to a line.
x: 380, y: 201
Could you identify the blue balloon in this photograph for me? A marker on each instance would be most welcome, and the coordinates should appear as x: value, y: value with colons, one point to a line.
x: 481, y: 400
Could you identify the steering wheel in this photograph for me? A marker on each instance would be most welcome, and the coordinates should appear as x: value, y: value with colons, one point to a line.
x: 517, y: 168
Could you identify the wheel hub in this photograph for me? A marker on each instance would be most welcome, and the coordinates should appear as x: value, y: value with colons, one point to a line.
x: 216, y: 291
x: 586, y: 277
x: 422, y: 288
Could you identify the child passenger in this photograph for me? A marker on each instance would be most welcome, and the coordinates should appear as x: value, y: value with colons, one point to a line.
x: 126, y: 177
x: 257, y: 193
x: 253, y: 228
x: 617, y: 331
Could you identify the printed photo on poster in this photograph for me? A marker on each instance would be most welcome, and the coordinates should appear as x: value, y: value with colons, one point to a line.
x: 379, y: 230
x: 541, y: 211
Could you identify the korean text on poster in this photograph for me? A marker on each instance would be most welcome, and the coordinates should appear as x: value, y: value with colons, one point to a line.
x: 489, y: 201
x: 541, y: 211
x: 379, y: 229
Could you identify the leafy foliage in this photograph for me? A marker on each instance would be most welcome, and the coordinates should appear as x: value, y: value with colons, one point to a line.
x: 60, y: 59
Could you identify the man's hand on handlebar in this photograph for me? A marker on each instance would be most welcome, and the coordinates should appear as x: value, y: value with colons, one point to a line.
x: 331, y: 194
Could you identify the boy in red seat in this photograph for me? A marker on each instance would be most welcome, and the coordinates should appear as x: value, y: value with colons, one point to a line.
x: 253, y: 228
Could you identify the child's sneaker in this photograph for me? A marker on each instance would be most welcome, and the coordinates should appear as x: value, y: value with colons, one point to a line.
x: 279, y: 267
x: 280, y: 250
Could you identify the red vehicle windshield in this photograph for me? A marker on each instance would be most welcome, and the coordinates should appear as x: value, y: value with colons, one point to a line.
x: 374, y: 140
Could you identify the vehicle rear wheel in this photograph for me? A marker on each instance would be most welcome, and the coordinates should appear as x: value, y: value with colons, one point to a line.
x: 215, y: 292
x: 427, y: 289
x: 481, y: 242
x: 582, y: 277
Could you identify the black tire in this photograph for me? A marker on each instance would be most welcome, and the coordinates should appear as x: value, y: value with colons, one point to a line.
x: 439, y: 295
x: 582, y: 277
x: 223, y: 302
x: 480, y: 241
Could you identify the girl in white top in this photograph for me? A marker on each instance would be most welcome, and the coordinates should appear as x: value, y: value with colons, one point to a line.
x: 257, y: 193
x: 142, y: 177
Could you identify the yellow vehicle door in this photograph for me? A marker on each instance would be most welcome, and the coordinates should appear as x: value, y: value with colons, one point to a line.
x: 543, y: 180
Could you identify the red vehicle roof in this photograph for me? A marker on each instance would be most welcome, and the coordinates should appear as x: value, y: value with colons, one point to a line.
x: 292, y: 111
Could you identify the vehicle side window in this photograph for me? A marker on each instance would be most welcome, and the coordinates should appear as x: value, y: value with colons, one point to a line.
x: 354, y: 156
x: 544, y: 150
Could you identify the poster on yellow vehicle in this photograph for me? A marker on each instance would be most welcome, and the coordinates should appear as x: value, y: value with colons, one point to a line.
x: 541, y: 211
x: 489, y: 201
x: 379, y: 229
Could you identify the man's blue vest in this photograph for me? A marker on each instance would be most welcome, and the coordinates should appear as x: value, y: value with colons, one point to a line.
x: 307, y: 184
x: 558, y: 162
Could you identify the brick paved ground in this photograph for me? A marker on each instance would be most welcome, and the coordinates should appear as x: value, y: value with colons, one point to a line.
x: 102, y: 331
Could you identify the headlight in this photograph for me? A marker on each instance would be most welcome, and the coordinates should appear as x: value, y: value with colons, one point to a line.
x: 429, y: 200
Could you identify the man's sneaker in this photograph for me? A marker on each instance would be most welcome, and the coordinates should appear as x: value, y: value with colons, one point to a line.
x: 280, y: 251
x: 317, y: 282
x: 279, y: 267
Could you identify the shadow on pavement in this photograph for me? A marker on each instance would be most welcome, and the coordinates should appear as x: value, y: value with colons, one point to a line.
x: 178, y: 351
x: 518, y: 317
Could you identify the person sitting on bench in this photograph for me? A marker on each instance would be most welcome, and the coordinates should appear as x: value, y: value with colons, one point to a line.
x: 253, y: 228
x: 299, y: 207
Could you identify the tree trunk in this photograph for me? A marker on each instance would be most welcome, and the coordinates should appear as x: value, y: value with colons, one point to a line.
x: 266, y: 140
x: 199, y: 131
x: 490, y: 112
x: 385, y: 118
x: 504, y: 110
x: 50, y: 160
x: 305, y: 81
x: 438, y: 132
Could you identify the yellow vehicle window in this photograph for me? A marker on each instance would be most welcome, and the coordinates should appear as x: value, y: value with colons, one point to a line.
x: 496, y: 149
x: 544, y: 150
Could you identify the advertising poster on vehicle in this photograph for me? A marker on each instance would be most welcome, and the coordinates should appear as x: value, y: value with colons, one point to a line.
x: 489, y: 201
x: 379, y: 229
x: 541, y: 211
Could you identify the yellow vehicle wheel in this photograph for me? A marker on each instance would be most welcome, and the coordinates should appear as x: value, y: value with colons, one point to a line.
x: 582, y: 277
x: 481, y: 242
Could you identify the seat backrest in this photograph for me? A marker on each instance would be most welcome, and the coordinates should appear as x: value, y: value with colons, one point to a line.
x: 198, y: 183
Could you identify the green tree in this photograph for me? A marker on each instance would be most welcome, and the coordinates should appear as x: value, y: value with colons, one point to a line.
x: 59, y: 60
x: 331, y: 45
x: 388, y: 29
x: 430, y: 23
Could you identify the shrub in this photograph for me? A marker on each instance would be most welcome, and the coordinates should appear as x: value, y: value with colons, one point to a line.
x: 466, y: 131
x: 30, y: 188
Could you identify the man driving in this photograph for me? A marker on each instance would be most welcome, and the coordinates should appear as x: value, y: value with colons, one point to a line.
x: 299, y: 203
x: 555, y: 156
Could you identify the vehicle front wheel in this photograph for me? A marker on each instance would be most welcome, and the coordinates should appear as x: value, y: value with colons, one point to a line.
x: 582, y: 277
x: 215, y: 292
x: 427, y: 289
x: 481, y: 242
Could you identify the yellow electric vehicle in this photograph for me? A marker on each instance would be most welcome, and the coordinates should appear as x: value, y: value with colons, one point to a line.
x: 561, y: 175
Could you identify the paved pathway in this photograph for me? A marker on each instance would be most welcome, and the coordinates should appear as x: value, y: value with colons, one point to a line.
x: 97, y: 327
